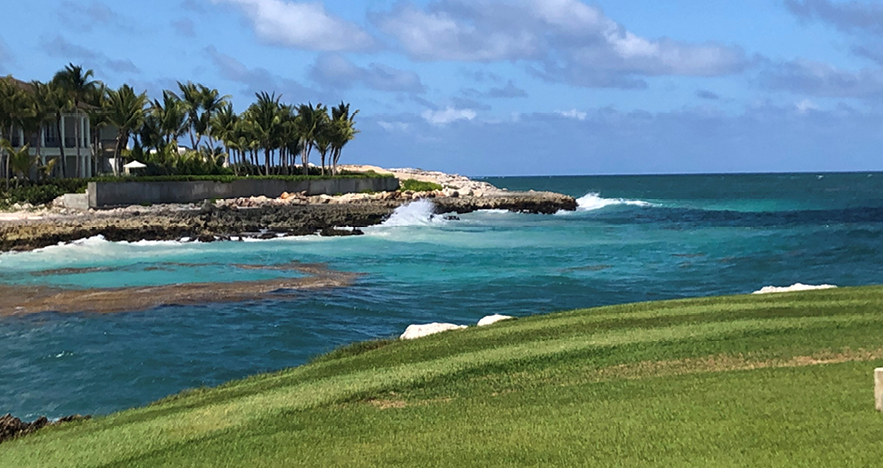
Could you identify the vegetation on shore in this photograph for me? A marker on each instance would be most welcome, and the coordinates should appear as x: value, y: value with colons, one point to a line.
x: 419, y: 186
x: 264, y: 139
x: 774, y: 380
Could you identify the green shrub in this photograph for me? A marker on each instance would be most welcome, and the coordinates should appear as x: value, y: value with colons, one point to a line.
x: 418, y: 186
x: 41, y: 193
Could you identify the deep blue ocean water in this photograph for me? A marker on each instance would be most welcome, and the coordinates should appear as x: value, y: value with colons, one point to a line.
x: 635, y: 238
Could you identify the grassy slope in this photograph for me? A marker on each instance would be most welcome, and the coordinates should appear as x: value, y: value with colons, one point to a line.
x: 781, y: 380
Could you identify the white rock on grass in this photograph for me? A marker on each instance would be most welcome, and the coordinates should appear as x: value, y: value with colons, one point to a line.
x: 492, y: 319
x: 792, y: 288
x: 419, y: 331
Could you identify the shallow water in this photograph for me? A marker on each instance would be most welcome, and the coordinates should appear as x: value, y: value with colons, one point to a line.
x: 634, y: 239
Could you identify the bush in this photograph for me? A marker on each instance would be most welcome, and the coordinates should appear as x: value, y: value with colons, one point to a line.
x: 41, y: 193
x: 418, y: 186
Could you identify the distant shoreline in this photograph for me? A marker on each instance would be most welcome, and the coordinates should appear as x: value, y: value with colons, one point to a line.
x: 261, y: 217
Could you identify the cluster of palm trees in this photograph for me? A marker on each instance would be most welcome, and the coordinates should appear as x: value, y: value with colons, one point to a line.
x: 32, y: 107
x: 265, y: 139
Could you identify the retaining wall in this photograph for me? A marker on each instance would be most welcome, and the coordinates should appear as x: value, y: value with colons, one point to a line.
x: 106, y: 194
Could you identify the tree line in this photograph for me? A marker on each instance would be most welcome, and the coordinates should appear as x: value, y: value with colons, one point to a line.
x: 266, y: 138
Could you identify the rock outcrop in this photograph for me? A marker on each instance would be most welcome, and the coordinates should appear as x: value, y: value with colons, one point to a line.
x: 492, y: 319
x: 419, y: 331
x: 792, y: 288
x: 11, y: 427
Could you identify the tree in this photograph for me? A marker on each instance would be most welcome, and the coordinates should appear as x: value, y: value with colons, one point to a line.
x: 223, y: 125
x: 343, y: 131
x: 308, y: 120
x: 212, y: 103
x: 125, y: 111
x: 323, y: 136
x: 264, y: 118
x: 171, y: 117
x: 18, y: 160
x: 78, y: 83
x: 14, y: 109
x: 43, y: 113
x: 97, y: 99
x: 58, y: 103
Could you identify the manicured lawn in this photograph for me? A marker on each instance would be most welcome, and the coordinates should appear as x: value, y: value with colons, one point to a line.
x: 779, y: 380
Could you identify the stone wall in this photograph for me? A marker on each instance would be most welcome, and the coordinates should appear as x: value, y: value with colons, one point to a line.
x: 107, y: 194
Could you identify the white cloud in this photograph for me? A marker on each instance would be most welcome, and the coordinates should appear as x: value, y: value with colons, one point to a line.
x: 394, y: 126
x: 302, y: 25
x: 805, y: 106
x: 562, y: 40
x: 573, y: 114
x: 448, y: 115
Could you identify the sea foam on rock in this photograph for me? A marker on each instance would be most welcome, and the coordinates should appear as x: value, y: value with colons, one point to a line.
x: 792, y: 288
x: 419, y: 331
x: 492, y: 319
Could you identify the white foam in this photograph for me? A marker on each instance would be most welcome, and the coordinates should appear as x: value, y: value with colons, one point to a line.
x: 593, y: 201
x: 418, y: 213
x: 792, y: 288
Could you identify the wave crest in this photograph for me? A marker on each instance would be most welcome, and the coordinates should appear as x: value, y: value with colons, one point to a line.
x: 593, y: 201
x: 418, y: 213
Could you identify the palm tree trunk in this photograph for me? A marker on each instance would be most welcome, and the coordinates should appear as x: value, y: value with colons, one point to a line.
x: 267, y: 160
x: 61, y: 146
x: 116, y: 155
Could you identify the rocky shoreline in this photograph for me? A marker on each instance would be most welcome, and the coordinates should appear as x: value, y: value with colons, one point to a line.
x: 260, y: 217
x: 12, y: 427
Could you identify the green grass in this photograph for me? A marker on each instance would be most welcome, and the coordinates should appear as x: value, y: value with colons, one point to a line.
x: 777, y: 380
x: 418, y: 186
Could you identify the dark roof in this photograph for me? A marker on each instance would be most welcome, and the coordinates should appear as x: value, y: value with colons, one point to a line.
x: 29, y: 87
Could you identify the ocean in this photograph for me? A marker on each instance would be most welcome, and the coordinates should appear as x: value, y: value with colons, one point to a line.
x: 634, y: 238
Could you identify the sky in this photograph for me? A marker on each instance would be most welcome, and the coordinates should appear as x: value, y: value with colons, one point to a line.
x: 517, y: 87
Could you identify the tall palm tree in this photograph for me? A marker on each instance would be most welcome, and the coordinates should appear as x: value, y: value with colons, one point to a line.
x: 192, y: 99
x: 265, y: 118
x: 212, y: 103
x: 15, y: 108
x: 97, y: 120
x: 343, y: 130
x: 323, y: 136
x: 171, y: 115
x: 78, y: 83
x: 307, y: 124
x: 43, y: 113
x: 223, y: 125
x: 125, y: 111
x: 59, y: 103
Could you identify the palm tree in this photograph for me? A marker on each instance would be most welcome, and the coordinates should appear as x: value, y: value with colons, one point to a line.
x: 43, y: 113
x: 192, y: 99
x: 97, y: 120
x: 212, y: 103
x: 171, y: 116
x: 343, y: 131
x: 323, y: 136
x: 15, y: 108
x: 264, y: 117
x: 307, y: 124
x: 125, y: 111
x: 19, y: 160
x: 58, y: 103
x: 78, y: 84
x: 223, y: 125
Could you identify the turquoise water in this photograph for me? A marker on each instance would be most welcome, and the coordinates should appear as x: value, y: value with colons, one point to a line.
x: 635, y: 239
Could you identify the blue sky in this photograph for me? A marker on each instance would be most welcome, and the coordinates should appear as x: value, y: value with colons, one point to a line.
x: 489, y: 87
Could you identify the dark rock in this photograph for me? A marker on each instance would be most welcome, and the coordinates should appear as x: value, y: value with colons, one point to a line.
x: 11, y: 427
x: 336, y: 232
